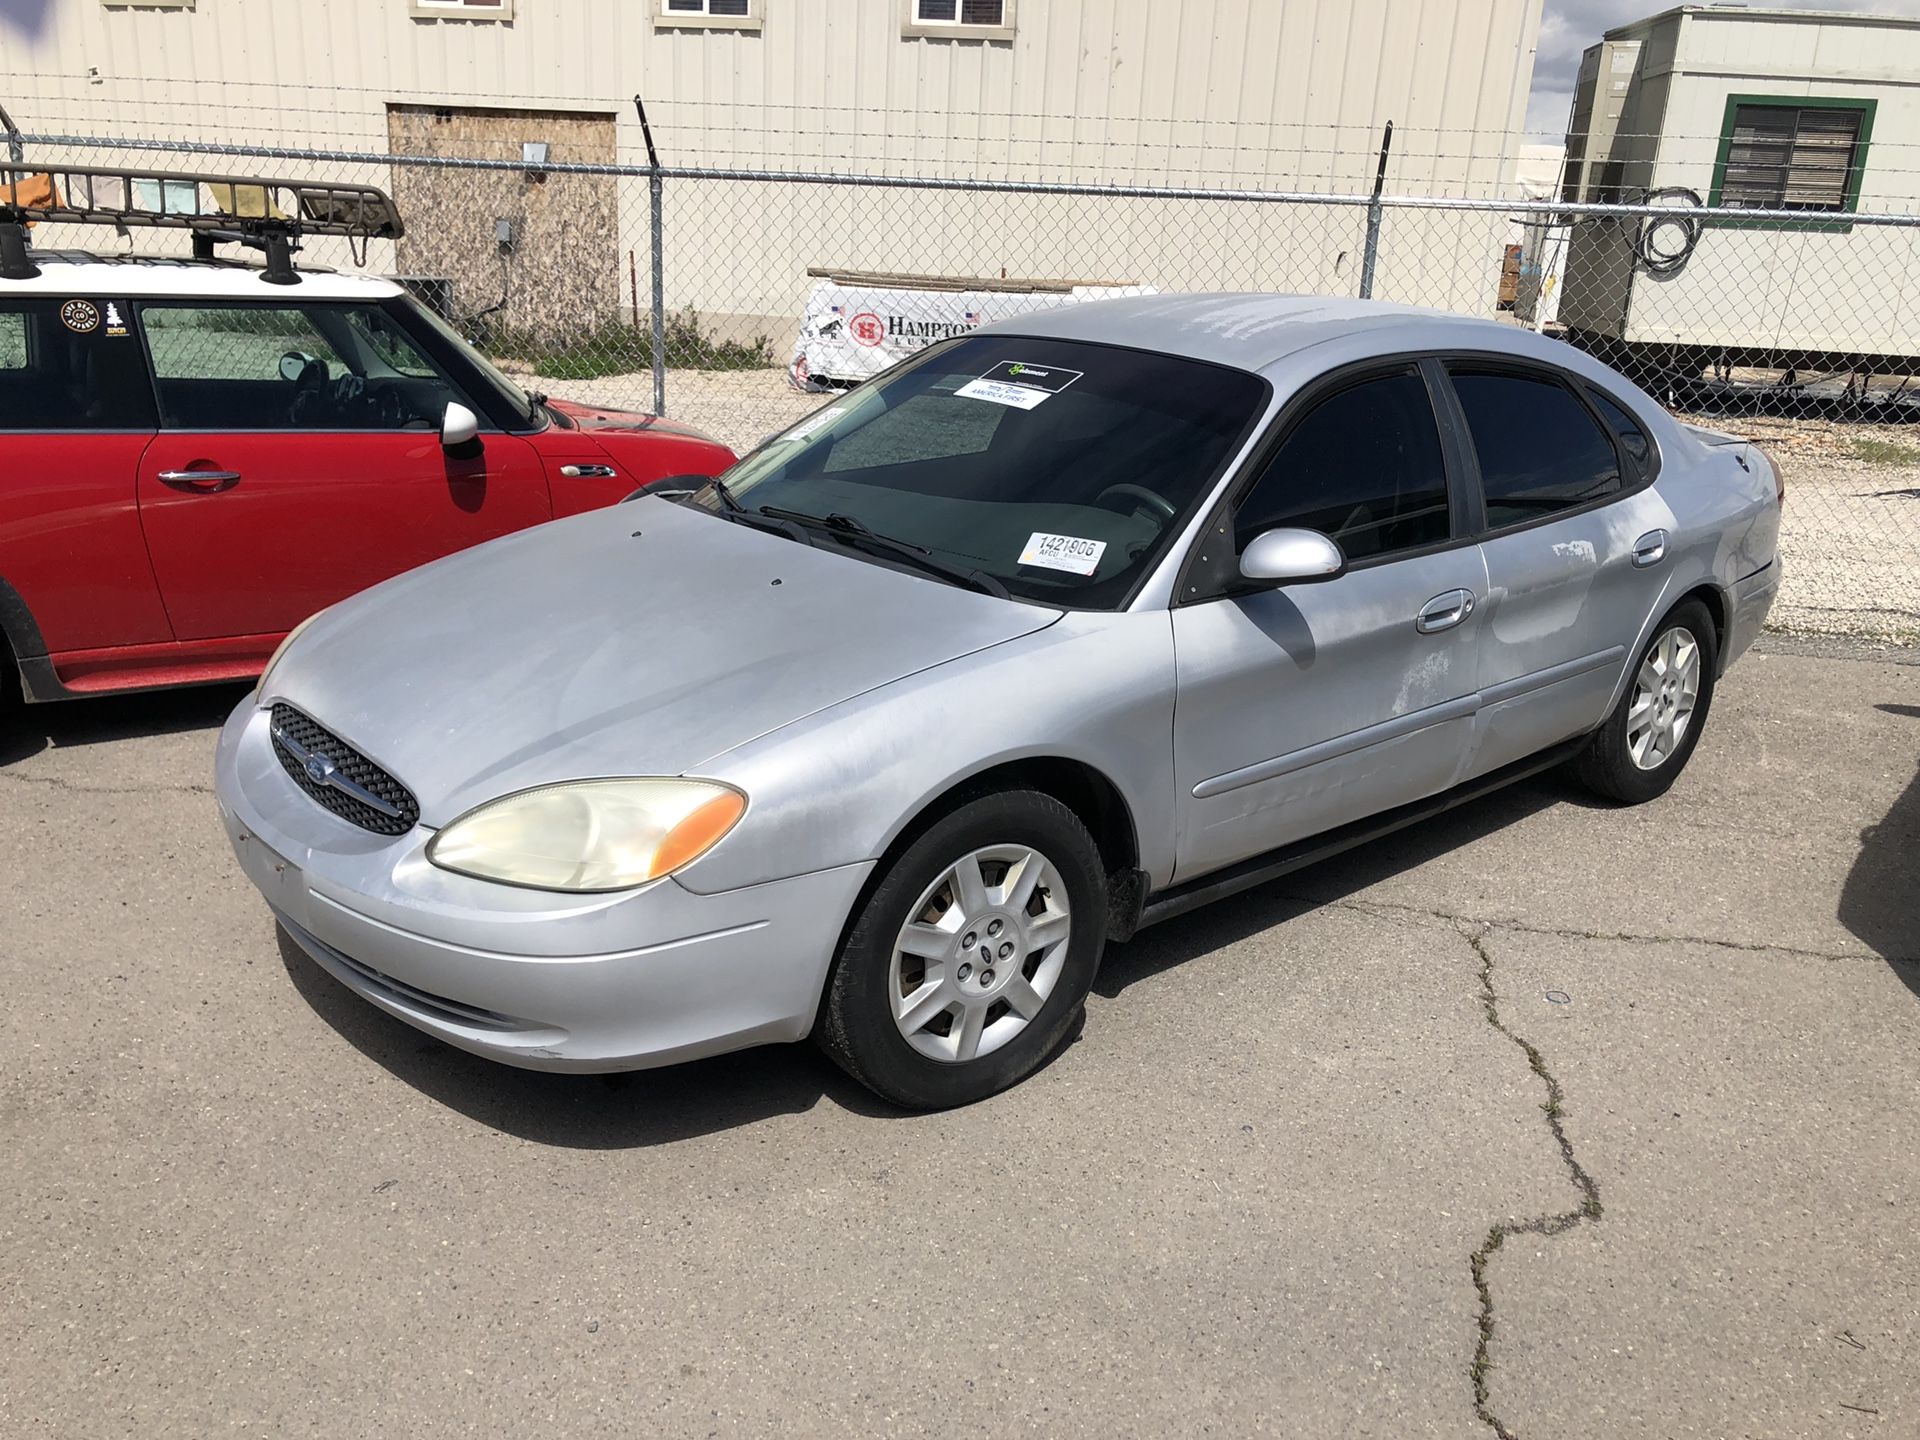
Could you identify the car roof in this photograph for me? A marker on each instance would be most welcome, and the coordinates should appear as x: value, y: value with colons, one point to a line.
x: 142, y: 277
x: 1250, y: 331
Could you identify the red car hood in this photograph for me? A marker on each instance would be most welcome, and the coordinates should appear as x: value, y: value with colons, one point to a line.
x: 600, y: 418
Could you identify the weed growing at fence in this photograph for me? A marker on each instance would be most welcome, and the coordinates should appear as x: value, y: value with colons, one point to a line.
x: 1884, y: 452
x: 619, y: 348
x: 690, y: 347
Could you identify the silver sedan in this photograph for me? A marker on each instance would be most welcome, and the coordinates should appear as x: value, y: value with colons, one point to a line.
x: 1058, y: 629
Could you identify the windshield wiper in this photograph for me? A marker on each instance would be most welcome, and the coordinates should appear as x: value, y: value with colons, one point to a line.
x: 851, y: 530
x: 732, y: 509
x: 840, y: 523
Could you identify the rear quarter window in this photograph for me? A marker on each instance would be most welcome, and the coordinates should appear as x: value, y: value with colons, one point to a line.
x: 1633, y: 438
x: 71, y: 364
x: 13, y: 342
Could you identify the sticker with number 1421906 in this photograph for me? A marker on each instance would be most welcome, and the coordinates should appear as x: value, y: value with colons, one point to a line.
x: 1063, y: 552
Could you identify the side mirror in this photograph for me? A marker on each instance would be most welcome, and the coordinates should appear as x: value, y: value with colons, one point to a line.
x: 1276, y: 557
x: 458, y: 426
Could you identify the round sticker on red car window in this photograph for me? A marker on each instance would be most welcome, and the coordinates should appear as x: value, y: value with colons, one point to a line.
x: 80, y: 316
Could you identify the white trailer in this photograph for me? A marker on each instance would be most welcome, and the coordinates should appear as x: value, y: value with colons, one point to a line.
x: 1816, y: 112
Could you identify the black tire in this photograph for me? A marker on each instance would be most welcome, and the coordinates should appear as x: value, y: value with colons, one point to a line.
x: 857, y: 1027
x: 10, y: 697
x: 1607, y: 765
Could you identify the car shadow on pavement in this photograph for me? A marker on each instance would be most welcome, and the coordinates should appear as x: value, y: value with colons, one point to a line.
x: 1175, y: 942
x: 1880, y: 901
x: 26, y: 730
x: 635, y: 1109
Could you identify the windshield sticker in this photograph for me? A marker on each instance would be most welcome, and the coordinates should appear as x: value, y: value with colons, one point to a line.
x: 813, y: 422
x: 80, y: 316
x: 1063, y: 552
x: 1016, y: 383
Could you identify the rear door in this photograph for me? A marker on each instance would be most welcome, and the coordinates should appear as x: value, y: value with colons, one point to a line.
x: 76, y: 411
x: 1575, y: 544
x: 1304, y: 707
x: 299, y: 461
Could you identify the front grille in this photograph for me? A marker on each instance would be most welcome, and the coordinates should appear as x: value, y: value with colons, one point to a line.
x: 317, y: 760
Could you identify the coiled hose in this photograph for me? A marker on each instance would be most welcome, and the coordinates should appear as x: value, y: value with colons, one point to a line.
x: 1664, y: 243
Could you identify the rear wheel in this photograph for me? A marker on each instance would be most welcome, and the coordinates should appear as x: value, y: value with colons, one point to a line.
x: 972, y: 959
x: 1646, y: 742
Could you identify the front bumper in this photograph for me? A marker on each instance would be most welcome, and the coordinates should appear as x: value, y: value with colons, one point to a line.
x: 533, y: 978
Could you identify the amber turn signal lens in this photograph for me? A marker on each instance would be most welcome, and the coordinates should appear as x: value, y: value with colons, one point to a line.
x: 699, y: 832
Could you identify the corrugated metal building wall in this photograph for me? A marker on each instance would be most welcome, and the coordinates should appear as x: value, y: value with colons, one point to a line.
x: 1216, y: 92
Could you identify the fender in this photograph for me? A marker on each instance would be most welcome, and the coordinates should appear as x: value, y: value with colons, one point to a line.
x: 17, y: 624
x: 22, y: 635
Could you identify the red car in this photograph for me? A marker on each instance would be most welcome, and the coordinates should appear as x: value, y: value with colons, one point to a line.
x: 193, y: 459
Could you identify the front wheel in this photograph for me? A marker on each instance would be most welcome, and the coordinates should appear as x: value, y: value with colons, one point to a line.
x: 972, y: 958
x: 1645, y: 744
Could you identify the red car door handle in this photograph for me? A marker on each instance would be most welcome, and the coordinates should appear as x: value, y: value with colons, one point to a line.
x: 200, y: 482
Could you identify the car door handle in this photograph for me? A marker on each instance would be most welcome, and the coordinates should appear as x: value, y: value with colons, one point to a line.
x: 1650, y: 549
x: 200, y: 482
x: 1443, y: 612
x: 587, y: 472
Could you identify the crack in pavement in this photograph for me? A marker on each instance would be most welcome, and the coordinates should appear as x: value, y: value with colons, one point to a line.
x: 1589, y: 1208
x: 1382, y: 908
x: 60, y: 782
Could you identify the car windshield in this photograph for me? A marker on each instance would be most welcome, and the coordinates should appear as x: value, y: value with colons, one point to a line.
x: 1058, y: 468
x: 518, y: 398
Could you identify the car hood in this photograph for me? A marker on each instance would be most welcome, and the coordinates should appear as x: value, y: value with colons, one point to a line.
x: 641, y: 639
x: 600, y: 419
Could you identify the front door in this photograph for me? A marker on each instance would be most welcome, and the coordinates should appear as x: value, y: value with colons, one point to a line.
x: 299, y: 461
x: 1308, y: 706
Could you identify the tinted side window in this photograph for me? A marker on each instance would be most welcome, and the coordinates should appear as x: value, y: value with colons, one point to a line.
x: 71, y: 365
x: 1540, y: 450
x: 1632, y: 438
x: 1364, y: 466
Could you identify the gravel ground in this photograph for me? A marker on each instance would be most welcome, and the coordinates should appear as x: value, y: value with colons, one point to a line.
x: 1851, y: 539
x: 1851, y: 533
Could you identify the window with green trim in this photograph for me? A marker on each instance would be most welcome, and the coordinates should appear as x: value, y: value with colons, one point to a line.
x: 1786, y: 154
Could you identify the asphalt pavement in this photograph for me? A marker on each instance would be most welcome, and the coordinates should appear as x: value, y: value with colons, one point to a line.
x: 1541, y: 1119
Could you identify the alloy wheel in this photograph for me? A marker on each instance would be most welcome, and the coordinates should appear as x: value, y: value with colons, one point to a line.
x: 1664, y: 694
x: 980, y: 953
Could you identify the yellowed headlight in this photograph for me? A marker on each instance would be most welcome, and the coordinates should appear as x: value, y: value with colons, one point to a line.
x: 590, y: 835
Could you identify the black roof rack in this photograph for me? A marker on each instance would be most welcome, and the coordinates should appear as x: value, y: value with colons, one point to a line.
x: 268, y: 213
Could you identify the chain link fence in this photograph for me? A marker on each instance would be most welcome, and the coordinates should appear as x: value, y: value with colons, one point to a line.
x: 736, y: 299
